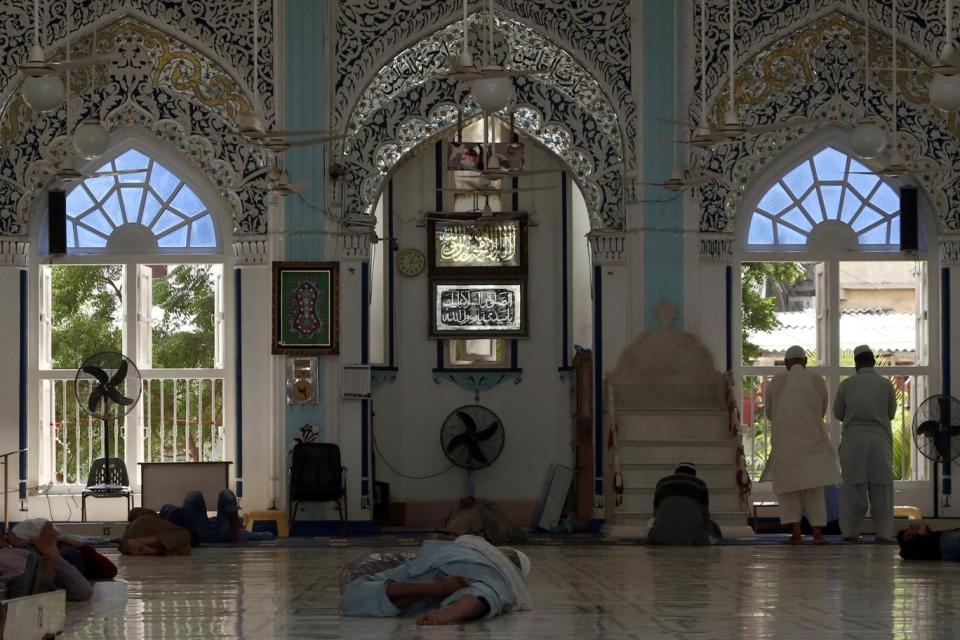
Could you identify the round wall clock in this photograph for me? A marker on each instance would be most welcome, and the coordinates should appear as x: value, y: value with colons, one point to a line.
x: 411, y: 262
x: 301, y: 391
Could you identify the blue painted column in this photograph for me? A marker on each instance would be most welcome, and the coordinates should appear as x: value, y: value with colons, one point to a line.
x: 238, y: 365
x: 598, y: 430
x: 23, y: 441
x: 945, y: 371
x: 663, y: 266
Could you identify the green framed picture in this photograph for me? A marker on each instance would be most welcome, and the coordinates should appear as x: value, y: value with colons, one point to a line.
x: 306, y: 308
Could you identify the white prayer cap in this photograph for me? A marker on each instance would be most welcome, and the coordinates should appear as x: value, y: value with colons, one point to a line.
x: 862, y: 349
x: 518, y: 557
x: 795, y: 352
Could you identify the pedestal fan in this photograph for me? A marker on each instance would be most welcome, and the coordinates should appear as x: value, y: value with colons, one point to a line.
x: 107, y: 386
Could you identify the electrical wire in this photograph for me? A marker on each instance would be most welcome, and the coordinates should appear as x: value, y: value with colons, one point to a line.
x: 376, y: 447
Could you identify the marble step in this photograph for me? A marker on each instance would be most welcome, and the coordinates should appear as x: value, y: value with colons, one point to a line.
x: 672, y: 451
x: 647, y: 475
x: 680, y: 425
x: 641, y: 499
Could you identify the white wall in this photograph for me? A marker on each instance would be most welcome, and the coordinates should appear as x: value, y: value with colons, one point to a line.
x: 535, y: 412
x: 10, y: 389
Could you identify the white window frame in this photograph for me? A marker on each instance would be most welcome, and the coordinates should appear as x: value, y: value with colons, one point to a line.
x: 831, y: 258
x: 40, y: 466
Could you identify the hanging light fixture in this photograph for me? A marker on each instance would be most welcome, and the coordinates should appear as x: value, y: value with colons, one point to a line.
x: 41, y: 93
x: 91, y: 139
x: 868, y: 138
x: 492, y: 93
x: 944, y: 88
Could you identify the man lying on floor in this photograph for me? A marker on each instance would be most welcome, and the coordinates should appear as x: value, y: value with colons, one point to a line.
x: 920, y: 542
x: 447, y: 582
x: 82, y: 555
x: 28, y: 573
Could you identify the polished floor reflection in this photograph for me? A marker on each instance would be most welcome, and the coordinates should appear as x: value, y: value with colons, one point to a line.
x: 863, y: 593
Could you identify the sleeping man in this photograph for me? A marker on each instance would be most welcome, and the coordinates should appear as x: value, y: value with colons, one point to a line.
x: 447, y: 582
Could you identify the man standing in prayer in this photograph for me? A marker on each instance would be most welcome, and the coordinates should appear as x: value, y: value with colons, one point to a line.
x: 803, y: 460
x: 866, y: 403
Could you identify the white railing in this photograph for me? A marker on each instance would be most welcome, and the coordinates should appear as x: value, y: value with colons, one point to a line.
x: 907, y: 463
x: 179, y: 418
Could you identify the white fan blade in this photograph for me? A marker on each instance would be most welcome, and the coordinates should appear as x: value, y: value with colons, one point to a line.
x: 76, y: 63
x: 784, y: 124
x: 311, y: 141
x: 122, y: 172
x: 298, y: 187
x: 292, y: 133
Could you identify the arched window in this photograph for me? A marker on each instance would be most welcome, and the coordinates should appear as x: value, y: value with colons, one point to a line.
x: 828, y: 187
x: 821, y: 267
x: 144, y: 204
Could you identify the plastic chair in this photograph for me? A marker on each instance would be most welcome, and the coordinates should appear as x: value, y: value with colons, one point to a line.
x: 100, y: 485
x: 316, y: 475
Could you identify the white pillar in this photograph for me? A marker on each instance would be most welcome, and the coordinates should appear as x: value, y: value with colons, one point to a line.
x: 716, y: 282
x: 354, y: 423
x: 611, y: 301
x: 13, y: 425
x: 256, y: 470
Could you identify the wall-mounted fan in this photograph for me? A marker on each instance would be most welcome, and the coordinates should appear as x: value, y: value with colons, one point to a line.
x: 472, y: 437
x: 107, y: 386
x: 935, y: 425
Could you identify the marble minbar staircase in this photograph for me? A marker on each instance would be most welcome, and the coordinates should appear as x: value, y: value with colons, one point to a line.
x: 666, y: 403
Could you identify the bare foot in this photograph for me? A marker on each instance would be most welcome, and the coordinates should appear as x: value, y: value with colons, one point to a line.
x: 463, y: 610
x: 449, y: 585
x: 795, y: 540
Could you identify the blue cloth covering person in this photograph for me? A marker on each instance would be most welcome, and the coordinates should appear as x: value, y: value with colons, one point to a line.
x: 448, y: 582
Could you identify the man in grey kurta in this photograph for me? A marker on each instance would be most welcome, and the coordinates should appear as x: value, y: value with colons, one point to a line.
x: 866, y: 403
x: 681, y: 510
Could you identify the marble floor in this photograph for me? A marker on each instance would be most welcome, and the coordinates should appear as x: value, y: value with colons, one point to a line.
x: 858, y: 592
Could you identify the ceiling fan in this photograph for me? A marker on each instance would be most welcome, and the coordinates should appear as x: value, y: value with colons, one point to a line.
x: 683, y: 180
x: 944, y: 87
x: 252, y: 124
x: 892, y: 163
x: 42, y: 89
x: 731, y: 129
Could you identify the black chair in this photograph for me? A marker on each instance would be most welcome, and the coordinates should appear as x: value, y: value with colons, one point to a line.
x: 316, y: 475
x: 101, y: 485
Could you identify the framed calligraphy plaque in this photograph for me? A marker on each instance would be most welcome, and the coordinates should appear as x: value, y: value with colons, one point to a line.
x: 488, y: 248
x: 472, y: 309
x: 306, y: 308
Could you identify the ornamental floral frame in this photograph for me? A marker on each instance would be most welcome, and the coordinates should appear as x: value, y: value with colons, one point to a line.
x: 306, y: 308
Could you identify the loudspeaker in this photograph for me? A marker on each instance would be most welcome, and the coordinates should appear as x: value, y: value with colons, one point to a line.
x: 909, y: 231
x: 57, y: 221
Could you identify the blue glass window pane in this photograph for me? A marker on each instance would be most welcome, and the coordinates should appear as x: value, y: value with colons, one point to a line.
x: 831, y: 200
x: 862, y: 182
x: 851, y: 204
x: 761, y: 230
x: 886, y: 199
x: 87, y: 238
x: 876, y: 235
x: 105, y: 167
x: 78, y: 201
x: 165, y: 221
x: 830, y: 164
x: 132, y: 159
x: 895, y: 230
x: 866, y: 218
x: 176, y: 238
x: 151, y: 207
x: 99, y: 187
x: 138, y: 178
x: 162, y: 181
x: 131, y: 202
x: 789, y: 236
x: 71, y: 234
x: 98, y: 221
x: 187, y: 202
x: 112, y: 208
x: 202, y: 234
x: 799, y: 179
x: 797, y: 219
x: 812, y: 204
x: 775, y: 200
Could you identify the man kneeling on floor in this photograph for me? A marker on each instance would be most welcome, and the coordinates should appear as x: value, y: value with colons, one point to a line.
x: 920, y: 542
x: 447, y: 582
x: 681, y: 510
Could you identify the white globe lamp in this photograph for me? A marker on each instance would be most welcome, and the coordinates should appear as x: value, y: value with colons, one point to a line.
x: 43, y: 93
x: 91, y: 139
x: 945, y: 92
x: 868, y: 139
x: 492, y: 94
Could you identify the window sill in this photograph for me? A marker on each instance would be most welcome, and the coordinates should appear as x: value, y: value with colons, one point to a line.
x: 477, y: 379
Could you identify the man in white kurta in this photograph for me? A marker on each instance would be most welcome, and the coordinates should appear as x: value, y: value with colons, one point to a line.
x: 866, y: 402
x: 803, y: 460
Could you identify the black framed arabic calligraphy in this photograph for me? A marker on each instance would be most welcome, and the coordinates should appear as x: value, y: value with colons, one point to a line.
x: 459, y: 246
x: 474, y: 309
